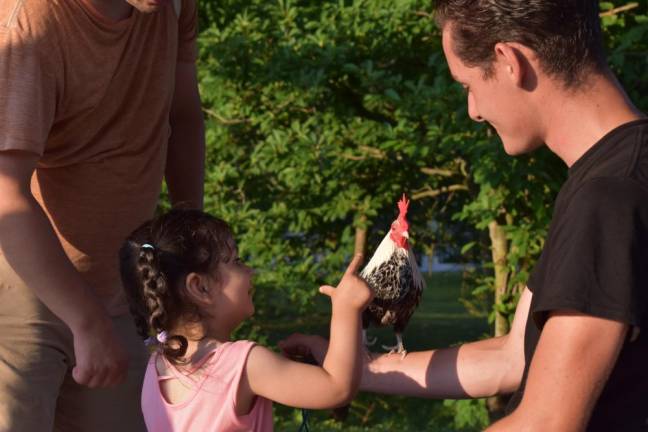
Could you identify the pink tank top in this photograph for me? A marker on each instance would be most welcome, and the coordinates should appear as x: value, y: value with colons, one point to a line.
x: 211, y: 406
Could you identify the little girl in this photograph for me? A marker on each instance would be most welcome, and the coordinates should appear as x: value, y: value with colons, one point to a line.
x: 186, y: 283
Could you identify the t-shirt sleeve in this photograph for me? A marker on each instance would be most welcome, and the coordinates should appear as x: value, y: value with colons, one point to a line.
x: 595, y: 263
x: 188, y: 32
x: 27, y: 93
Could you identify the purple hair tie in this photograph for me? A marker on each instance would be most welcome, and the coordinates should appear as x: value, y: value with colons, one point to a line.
x: 162, y: 336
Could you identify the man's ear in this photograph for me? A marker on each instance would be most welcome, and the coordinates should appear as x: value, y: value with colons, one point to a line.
x: 197, y: 286
x: 513, y: 61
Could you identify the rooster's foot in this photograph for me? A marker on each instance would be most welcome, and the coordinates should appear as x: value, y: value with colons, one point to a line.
x: 366, y: 340
x: 396, y: 349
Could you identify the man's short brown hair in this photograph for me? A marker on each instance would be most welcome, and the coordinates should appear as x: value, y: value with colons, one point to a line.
x: 565, y: 34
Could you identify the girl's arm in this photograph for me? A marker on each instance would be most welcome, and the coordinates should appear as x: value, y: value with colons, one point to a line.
x: 301, y: 385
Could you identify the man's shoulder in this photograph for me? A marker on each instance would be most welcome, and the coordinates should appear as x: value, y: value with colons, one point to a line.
x: 619, y: 199
x: 29, y: 21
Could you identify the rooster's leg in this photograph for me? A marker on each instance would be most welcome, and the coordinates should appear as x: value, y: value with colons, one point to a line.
x: 366, y: 340
x: 398, y: 348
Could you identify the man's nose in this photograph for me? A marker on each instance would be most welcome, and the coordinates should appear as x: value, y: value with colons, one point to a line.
x: 472, y: 109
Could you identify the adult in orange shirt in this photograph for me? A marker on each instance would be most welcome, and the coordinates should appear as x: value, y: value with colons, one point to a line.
x: 98, y: 103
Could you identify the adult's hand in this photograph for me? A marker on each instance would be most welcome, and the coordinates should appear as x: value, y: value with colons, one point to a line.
x: 299, y: 345
x: 101, y: 360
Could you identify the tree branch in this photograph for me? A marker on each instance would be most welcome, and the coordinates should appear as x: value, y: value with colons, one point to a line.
x: 438, y: 172
x: 369, y: 152
x: 428, y: 192
x: 619, y: 9
x: 423, y: 14
x: 223, y: 120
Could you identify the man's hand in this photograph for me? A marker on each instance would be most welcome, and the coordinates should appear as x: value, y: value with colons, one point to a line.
x: 299, y: 345
x: 101, y: 361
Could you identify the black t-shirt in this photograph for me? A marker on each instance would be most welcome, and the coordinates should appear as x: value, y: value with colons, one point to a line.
x: 595, y: 261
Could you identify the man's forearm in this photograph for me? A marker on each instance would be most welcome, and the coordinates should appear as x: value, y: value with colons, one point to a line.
x: 33, y: 251
x: 185, y: 167
x: 477, y: 369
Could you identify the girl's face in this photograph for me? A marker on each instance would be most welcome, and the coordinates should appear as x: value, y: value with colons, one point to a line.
x: 234, y: 291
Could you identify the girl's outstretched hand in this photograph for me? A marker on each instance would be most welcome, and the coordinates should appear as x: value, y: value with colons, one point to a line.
x: 352, y: 291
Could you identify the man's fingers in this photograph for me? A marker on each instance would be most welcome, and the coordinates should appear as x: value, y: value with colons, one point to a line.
x: 81, y: 375
x: 99, y: 378
x: 292, y: 340
x: 327, y: 290
x: 353, y: 265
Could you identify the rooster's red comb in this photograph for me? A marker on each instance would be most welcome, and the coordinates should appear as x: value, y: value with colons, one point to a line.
x: 402, y: 206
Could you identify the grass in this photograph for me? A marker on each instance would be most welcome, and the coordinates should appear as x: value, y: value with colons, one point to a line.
x: 440, y: 321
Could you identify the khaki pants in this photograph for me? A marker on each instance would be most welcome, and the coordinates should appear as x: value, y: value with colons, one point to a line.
x: 37, y: 392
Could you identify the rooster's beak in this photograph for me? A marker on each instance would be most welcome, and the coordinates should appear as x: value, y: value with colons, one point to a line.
x: 405, y: 234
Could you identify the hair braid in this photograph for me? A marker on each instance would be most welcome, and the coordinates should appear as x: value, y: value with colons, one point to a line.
x: 154, y: 289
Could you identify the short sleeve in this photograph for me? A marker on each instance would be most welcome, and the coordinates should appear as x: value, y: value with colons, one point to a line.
x: 188, y: 32
x: 595, y: 262
x: 27, y: 93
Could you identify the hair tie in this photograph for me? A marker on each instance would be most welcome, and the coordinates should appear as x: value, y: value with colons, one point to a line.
x: 162, y: 336
x: 147, y: 246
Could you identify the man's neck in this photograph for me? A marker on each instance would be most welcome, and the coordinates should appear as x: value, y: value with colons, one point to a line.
x: 114, y: 10
x: 575, y: 121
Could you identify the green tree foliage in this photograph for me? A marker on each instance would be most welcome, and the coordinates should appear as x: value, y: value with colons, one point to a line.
x: 320, y: 115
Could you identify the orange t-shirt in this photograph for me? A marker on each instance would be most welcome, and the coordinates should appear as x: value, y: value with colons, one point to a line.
x: 92, y: 97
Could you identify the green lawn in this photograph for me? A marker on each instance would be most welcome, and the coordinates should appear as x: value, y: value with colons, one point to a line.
x: 440, y: 321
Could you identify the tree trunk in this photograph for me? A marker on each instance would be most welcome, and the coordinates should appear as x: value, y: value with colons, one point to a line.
x: 361, y: 236
x: 430, y: 257
x: 499, y: 249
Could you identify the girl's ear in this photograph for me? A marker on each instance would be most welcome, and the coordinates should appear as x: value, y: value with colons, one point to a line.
x: 198, y: 287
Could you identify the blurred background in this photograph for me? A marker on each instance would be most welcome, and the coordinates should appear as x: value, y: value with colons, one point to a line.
x: 319, y: 115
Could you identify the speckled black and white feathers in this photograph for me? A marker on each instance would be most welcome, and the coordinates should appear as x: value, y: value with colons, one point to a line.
x: 397, y: 284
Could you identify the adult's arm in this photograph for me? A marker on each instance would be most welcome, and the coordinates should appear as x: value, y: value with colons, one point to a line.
x: 572, y: 362
x: 185, y: 166
x: 476, y: 369
x: 32, y: 249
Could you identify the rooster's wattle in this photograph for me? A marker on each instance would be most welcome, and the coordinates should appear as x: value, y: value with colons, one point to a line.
x: 396, y: 280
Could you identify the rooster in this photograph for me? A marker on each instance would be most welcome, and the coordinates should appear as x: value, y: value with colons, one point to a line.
x: 396, y: 280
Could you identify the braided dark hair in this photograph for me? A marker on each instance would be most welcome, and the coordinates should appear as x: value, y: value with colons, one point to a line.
x: 154, y: 262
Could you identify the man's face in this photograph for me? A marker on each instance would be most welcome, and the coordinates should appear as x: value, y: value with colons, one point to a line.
x: 148, y: 6
x: 497, y: 100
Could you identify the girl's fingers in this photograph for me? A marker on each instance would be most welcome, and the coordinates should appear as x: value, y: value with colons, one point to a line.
x: 327, y: 290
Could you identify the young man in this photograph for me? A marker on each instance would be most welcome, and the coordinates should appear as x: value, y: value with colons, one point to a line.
x: 577, y: 353
x: 98, y: 101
